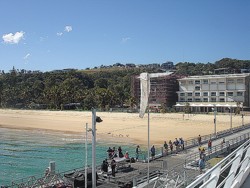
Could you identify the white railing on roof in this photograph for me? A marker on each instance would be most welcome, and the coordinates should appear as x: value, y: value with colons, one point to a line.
x: 230, y: 172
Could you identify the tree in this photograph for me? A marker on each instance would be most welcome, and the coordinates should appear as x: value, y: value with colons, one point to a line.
x: 187, y: 109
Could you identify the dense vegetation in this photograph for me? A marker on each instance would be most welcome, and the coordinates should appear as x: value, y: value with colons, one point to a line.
x: 66, y: 90
x: 100, y: 88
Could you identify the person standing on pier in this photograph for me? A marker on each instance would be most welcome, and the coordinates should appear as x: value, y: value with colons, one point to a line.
x: 165, y: 147
x: 182, y: 143
x: 137, y: 151
x: 176, y: 143
x: 105, y: 165
x: 209, y: 146
x: 201, y: 164
x: 199, y: 140
x: 171, y: 146
x: 113, y: 166
x: 153, y: 152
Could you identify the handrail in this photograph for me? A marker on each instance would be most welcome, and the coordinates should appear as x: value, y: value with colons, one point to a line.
x: 231, y: 158
x: 193, y: 157
x: 204, y: 139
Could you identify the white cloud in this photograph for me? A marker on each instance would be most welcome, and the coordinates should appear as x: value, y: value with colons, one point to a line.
x: 59, y: 34
x: 126, y: 39
x: 13, y: 38
x: 68, y: 28
x: 26, y: 56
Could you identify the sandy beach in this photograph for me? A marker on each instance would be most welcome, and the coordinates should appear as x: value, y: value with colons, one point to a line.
x: 119, y: 127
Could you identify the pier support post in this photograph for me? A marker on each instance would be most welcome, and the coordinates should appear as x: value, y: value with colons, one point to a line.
x: 134, y: 182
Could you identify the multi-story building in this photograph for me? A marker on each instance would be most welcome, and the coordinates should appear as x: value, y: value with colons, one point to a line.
x: 162, y: 90
x: 202, y: 93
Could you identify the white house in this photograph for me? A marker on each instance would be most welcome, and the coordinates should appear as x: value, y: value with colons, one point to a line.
x: 225, y: 91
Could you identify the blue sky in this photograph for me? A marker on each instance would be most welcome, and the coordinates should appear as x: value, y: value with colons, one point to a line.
x: 57, y: 34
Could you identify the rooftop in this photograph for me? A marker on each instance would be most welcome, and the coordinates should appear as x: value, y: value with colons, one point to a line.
x: 216, y: 76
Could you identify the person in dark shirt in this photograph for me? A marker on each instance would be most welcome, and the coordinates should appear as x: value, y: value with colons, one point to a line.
x: 152, y: 152
x: 105, y: 165
x: 113, y: 166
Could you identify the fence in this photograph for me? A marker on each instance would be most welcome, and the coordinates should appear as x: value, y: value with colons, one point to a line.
x: 187, y: 170
x: 194, y: 141
x: 231, y: 172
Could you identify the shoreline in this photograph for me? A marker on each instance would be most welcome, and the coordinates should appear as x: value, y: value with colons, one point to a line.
x: 117, y: 126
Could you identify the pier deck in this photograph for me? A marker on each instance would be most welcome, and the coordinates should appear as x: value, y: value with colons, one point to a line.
x: 172, y: 164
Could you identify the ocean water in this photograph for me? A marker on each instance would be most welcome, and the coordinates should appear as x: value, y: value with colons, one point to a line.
x: 25, y: 153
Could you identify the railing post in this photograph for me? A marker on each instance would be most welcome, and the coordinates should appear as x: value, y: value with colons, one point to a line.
x: 184, y: 177
x: 134, y: 182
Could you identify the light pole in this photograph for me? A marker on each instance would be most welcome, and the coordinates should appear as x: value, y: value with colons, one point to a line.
x: 86, y: 155
x: 242, y: 116
x: 94, y: 120
x: 93, y: 147
x: 214, y: 109
x: 148, y: 146
x: 231, y: 122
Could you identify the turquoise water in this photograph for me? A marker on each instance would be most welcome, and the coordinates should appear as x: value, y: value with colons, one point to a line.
x: 25, y: 153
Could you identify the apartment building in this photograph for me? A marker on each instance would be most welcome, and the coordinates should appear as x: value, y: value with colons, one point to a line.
x: 163, y: 90
x: 224, y: 91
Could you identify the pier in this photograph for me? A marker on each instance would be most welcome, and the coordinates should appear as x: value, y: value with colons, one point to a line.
x: 177, y: 168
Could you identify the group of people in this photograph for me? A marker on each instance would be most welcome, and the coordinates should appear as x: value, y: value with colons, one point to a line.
x: 178, y: 144
x: 105, y: 166
x: 113, y: 153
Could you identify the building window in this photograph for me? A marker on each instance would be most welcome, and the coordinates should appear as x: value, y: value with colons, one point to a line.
x: 213, y: 99
x: 213, y: 93
x: 213, y: 82
x: 221, y: 82
x: 190, y: 82
x: 231, y: 94
x: 205, y: 81
x: 239, y: 81
x: 222, y: 100
x: 205, y: 93
x: 182, y: 99
x: 197, y: 88
x: 190, y: 94
x: 197, y: 81
x: 205, y: 99
x: 197, y: 100
x: 222, y: 94
x: 197, y: 94
x: 182, y: 94
x: 190, y: 99
x: 230, y: 81
x: 239, y: 93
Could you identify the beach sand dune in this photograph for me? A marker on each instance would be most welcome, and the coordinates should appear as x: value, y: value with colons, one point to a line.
x: 119, y: 127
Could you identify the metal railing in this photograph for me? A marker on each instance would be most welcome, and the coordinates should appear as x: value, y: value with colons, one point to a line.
x: 194, y: 141
x: 181, y: 175
x: 230, y: 172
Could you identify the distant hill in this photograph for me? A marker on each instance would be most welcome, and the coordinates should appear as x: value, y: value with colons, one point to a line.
x: 102, y: 87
